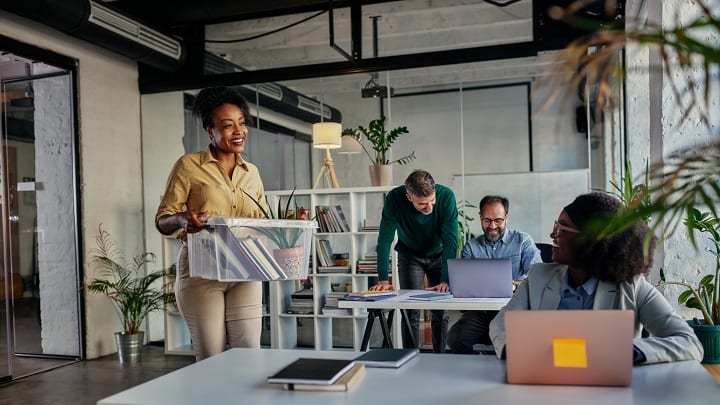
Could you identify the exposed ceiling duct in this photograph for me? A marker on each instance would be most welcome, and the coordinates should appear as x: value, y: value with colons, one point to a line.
x: 104, y: 26
x: 275, y: 96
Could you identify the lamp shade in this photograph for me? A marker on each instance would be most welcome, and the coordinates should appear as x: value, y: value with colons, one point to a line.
x: 327, y: 135
x: 350, y: 145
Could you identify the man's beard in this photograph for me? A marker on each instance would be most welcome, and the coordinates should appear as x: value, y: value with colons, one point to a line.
x: 496, y: 237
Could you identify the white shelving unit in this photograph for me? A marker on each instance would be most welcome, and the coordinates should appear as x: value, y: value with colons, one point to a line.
x: 313, y: 331
x: 319, y: 331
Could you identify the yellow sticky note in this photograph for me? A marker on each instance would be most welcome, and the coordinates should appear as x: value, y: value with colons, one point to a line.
x: 569, y: 352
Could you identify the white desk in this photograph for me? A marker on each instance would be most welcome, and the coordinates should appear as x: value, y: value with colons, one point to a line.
x: 401, y: 302
x: 239, y: 376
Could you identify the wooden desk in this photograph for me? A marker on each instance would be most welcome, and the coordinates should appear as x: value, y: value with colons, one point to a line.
x: 376, y: 310
x: 714, y: 370
x: 240, y: 376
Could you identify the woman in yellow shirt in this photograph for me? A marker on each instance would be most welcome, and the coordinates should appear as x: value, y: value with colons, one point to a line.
x: 211, y: 183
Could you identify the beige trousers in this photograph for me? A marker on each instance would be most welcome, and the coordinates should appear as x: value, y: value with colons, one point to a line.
x: 218, y: 312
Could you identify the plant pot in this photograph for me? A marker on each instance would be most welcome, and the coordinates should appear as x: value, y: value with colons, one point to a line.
x: 380, y: 175
x: 129, y: 346
x: 709, y: 336
x: 291, y: 260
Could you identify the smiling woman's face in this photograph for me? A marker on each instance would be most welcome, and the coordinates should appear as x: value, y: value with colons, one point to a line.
x: 563, y: 237
x: 228, y: 133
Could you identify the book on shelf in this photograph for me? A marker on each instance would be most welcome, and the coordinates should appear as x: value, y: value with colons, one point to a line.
x: 345, y: 383
x: 324, y: 253
x: 336, y: 311
x: 333, y: 269
x: 430, y: 296
x: 314, y: 371
x: 338, y: 212
x: 386, y: 357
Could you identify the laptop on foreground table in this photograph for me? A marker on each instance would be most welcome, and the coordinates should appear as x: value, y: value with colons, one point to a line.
x: 480, y: 278
x: 569, y: 347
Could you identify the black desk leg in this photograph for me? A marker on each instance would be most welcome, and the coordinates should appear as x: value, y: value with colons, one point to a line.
x: 387, y: 341
x: 368, y: 330
x: 407, y: 329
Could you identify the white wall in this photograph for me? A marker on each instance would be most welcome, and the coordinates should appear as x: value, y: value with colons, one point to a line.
x: 654, y: 130
x: 110, y: 156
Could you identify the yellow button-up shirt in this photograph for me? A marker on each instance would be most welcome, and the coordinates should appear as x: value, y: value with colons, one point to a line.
x: 198, y: 182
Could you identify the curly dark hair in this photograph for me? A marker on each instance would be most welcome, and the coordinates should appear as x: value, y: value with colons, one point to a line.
x: 618, y: 257
x: 207, y: 100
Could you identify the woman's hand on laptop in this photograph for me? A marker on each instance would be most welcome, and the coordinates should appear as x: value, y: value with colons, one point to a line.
x: 382, y: 285
x: 442, y: 287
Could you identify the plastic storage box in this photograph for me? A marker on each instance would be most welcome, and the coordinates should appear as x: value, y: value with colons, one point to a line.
x: 237, y: 249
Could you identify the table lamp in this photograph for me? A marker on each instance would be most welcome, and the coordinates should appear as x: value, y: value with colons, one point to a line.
x: 327, y: 135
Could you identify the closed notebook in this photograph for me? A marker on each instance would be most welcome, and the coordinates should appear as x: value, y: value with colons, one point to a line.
x: 345, y: 383
x: 429, y: 296
x: 312, y: 371
x: 387, y: 358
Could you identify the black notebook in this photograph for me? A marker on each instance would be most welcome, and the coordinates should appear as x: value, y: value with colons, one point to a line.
x: 312, y: 371
x: 390, y: 358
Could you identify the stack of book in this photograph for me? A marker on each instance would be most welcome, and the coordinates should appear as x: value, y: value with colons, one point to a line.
x: 301, y: 302
x: 368, y: 295
x: 319, y: 375
x: 331, y: 304
x: 369, y: 226
x: 368, y: 263
x: 331, y: 218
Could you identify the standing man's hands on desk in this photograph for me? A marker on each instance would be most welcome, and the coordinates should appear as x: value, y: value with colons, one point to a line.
x: 442, y: 287
x: 382, y: 285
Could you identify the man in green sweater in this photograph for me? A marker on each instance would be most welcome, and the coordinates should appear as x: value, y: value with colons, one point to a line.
x: 424, y: 214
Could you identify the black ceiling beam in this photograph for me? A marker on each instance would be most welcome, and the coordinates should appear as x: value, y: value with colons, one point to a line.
x: 154, y: 81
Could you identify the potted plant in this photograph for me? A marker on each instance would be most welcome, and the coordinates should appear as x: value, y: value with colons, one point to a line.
x: 381, y: 140
x: 705, y: 294
x: 133, y: 294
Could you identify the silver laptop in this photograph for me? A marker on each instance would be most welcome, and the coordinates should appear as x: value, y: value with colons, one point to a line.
x: 480, y: 278
x: 569, y: 347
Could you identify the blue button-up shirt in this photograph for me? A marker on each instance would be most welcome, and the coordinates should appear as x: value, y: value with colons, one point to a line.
x: 516, y: 245
x: 578, y: 298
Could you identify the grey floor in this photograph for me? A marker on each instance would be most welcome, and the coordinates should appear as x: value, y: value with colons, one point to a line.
x: 85, y: 382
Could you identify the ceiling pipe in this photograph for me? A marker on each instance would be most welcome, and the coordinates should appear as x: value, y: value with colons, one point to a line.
x: 104, y: 26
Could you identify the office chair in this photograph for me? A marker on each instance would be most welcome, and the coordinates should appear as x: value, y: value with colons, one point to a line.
x: 545, y: 252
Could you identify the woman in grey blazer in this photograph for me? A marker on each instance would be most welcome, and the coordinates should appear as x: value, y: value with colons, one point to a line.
x: 603, y: 274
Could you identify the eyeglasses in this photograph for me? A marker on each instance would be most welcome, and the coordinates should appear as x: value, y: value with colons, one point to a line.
x: 496, y: 221
x: 565, y: 228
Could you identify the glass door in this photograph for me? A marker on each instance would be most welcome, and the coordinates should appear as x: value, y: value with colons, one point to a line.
x: 4, y: 273
x: 40, y: 219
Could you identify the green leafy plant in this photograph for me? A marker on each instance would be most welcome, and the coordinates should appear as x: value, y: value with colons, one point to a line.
x: 381, y: 141
x: 133, y: 294
x: 633, y: 195
x: 464, y: 233
x: 705, y: 295
x: 284, y: 237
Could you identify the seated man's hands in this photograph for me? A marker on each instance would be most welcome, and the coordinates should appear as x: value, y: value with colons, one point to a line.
x: 382, y: 285
x: 442, y: 287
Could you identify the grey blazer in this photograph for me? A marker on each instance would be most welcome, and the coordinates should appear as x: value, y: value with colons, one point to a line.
x: 671, y: 338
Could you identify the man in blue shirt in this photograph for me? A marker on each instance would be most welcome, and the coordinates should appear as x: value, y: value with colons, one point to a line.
x: 496, y: 242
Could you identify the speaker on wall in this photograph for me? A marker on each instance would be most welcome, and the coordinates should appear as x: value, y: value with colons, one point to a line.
x: 551, y: 33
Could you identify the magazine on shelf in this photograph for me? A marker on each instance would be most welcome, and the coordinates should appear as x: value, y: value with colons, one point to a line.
x: 313, y: 371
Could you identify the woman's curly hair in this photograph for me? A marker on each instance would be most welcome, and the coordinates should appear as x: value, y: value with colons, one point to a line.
x: 619, y: 257
x: 207, y: 100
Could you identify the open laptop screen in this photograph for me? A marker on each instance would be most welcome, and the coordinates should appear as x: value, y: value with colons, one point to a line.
x: 480, y: 278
